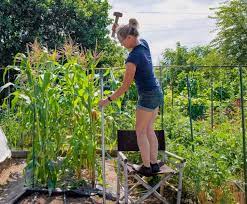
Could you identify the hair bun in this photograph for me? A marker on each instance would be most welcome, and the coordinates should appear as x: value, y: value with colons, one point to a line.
x: 133, y: 23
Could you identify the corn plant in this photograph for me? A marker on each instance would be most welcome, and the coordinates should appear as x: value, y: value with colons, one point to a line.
x: 56, y: 94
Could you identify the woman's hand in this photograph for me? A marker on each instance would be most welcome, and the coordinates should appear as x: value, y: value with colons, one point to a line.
x: 114, y: 27
x: 103, y: 102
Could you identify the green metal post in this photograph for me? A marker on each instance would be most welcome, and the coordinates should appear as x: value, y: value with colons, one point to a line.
x: 33, y: 146
x: 189, y: 101
x: 162, y: 107
x: 8, y: 92
x: 243, y: 130
x: 172, y: 86
x: 103, y: 136
x: 212, y: 103
x: 221, y: 102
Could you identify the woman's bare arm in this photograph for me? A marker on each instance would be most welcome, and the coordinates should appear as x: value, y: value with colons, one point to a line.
x: 128, y: 79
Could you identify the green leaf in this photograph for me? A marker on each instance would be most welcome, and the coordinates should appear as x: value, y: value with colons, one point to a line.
x: 7, y: 85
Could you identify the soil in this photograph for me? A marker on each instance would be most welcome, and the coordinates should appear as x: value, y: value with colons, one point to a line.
x: 43, y: 199
x: 10, y: 170
x: 11, y: 179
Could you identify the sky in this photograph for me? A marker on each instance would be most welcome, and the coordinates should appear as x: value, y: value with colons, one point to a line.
x: 164, y: 22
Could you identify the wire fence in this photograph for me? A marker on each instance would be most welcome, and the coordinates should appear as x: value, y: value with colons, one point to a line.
x: 217, y: 79
x: 199, y: 92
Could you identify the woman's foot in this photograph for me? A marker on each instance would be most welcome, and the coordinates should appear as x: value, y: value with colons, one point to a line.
x: 155, y: 168
x: 145, y: 171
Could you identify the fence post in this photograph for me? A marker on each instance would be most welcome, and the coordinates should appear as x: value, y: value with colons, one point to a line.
x: 102, y: 136
x: 162, y: 107
x: 212, y: 103
x: 243, y: 129
x: 33, y: 146
x: 189, y: 101
x: 172, y: 88
x: 8, y: 91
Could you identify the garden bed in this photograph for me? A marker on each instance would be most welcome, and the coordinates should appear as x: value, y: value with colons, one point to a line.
x: 43, y: 199
x: 12, y: 188
x: 42, y: 196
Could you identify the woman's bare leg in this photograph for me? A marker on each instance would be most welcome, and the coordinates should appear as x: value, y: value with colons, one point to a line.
x: 142, y: 120
x: 152, y: 139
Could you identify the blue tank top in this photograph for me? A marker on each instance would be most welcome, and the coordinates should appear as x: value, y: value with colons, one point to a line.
x: 144, y: 77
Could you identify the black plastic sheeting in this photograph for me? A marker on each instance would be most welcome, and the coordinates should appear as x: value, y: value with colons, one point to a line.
x: 81, y: 193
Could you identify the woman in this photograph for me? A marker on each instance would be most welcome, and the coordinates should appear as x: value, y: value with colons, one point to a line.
x: 139, y: 68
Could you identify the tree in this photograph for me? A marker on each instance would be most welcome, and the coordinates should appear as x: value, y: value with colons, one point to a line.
x: 51, y: 22
x: 231, y: 24
x: 199, y: 55
x: 207, y: 85
x: 175, y: 57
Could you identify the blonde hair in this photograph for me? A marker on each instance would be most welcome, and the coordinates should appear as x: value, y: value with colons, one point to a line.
x: 129, y: 29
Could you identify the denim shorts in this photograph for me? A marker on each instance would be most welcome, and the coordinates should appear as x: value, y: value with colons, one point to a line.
x: 150, y: 100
